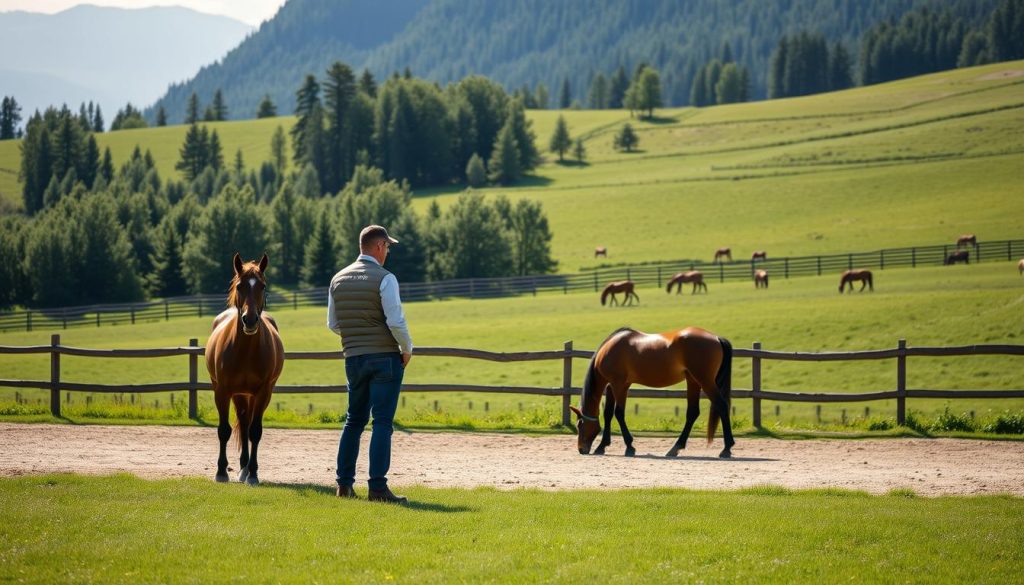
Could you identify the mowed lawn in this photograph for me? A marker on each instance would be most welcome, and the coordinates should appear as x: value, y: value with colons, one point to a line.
x: 66, y: 528
x: 928, y: 306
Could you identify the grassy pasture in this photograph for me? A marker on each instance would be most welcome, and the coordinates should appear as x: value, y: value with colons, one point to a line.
x: 931, y: 306
x: 64, y: 529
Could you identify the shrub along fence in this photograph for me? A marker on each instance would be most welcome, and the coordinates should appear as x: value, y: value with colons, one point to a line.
x: 566, y: 390
x: 655, y: 274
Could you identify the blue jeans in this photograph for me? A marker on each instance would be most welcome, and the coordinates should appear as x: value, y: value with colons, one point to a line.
x: 374, y: 381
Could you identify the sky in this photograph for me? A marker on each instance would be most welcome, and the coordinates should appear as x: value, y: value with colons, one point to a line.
x: 252, y: 12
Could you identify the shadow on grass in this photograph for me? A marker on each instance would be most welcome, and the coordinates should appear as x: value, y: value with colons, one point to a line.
x: 323, y: 490
x: 572, y: 163
x: 659, y: 120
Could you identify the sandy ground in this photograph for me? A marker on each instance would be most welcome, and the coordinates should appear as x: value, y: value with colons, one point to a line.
x: 927, y: 466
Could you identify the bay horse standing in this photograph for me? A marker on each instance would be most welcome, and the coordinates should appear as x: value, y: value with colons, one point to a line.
x: 761, y: 279
x: 244, y: 356
x: 600, y: 251
x: 849, y: 276
x: 958, y: 256
x: 760, y: 254
x: 622, y: 286
x: 723, y: 252
x: 695, y: 277
x: 629, y: 357
x: 967, y: 240
x: 1020, y: 266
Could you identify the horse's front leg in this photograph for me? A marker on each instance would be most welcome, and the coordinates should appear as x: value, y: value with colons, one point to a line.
x: 609, y: 411
x: 255, y: 434
x: 620, y: 415
x: 223, y: 402
x: 242, y: 412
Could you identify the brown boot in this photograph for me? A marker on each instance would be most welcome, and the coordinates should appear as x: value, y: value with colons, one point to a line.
x: 385, y: 495
x: 346, y: 492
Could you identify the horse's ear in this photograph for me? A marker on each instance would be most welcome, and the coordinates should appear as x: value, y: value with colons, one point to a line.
x: 237, y: 261
x: 576, y: 411
x: 263, y: 263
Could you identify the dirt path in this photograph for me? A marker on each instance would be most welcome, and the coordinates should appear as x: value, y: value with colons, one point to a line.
x: 927, y: 466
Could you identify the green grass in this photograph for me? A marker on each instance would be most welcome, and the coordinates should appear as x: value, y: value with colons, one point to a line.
x: 120, y: 528
x: 932, y: 306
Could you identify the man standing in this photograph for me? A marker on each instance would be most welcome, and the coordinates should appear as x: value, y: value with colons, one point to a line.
x: 364, y: 308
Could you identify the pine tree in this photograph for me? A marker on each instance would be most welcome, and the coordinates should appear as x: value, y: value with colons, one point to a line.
x: 90, y: 166
x: 540, y: 98
x: 340, y: 154
x: 192, y: 112
x: 10, y: 116
x: 560, y: 140
x: 267, y: 108
x: 579, y: 151
x: 504, y: 163
x: 194, y: 154
x: 220, y: 109
x: 107, y: 166
x: 526, y: 140
x: 97, y: 120
x: 284, y: 211
x: 565, y: 94
x: 161, y: 116
x: 307, y: 100
x: 1006, y: 31
x: 278, y: 151
x: 476, y: 173
x: 617, y: 90
x: 626, y: 139
x: 599, y: 88
x: 729, y: 89
x: 239, y: 167
x: 839, y: 76
x: 319, y: 263
x: 367, y: 84
x: 167, y: 278
x: 216, y: 156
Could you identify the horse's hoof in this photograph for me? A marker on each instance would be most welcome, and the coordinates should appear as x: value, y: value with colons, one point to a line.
x: 725, y: 454
x: 599, y: 451
x: 222, y: 478
x: 243, y: 476
x: 672, y: 453
x: 253, y: 480
x: 630, y: 451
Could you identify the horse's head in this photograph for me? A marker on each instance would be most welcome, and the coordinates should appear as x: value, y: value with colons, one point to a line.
x: 248, y: 293
x: 587, y: 428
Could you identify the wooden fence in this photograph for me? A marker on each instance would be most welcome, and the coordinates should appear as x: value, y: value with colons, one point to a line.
x: 655, y: 274
x: 756, y: 354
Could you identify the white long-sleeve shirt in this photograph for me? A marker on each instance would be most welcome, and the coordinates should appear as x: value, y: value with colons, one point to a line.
x: 392, y: 303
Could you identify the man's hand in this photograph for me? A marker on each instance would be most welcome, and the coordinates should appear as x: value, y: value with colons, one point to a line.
x: 406, y: 357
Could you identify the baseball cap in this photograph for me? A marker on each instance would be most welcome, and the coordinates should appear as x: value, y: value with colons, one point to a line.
x: 374, y: 232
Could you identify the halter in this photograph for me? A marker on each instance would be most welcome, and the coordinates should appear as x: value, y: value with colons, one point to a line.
x: 588, y: 418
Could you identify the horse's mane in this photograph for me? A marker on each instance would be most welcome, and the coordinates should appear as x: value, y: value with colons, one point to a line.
x: 590, y: 369
x: 249, y: 270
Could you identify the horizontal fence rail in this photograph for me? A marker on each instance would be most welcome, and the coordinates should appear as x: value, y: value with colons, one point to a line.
x: 567, y: 391
x: 656, y: 274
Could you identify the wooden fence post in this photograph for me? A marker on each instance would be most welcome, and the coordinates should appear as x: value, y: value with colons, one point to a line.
x: 819, y: 265
x: 55, y: 374
x: 28, y: 320
x: 295, y: 300
x: 167, y: 311
x: 913, y: 257
x: 755, y: 384
x: 567, y: 384
x: 901, y: 382
x: 132, y: 307
x: 193, y: 377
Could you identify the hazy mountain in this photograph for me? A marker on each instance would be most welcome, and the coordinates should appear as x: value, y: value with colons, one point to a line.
x: 521, y: 42
x: 107, y: 55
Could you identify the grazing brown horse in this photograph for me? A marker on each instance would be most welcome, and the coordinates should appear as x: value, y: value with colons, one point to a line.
x: 629, y: 357
x: 761, y: 279
x: 600, y: 251
x: 849, y: 276
x: 958, y: 256
x: 696, y: 277
x: 967, y: 240
x: 759, y: 254
x: 1020, y: 266
x: 244, y: 356
x: 622, y: 286
x: 727, y: 252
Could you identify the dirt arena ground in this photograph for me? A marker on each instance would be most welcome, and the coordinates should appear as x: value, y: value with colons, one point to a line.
x: 929, y: 467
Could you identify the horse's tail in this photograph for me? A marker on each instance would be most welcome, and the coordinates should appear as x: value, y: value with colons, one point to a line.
x: 724, y: 382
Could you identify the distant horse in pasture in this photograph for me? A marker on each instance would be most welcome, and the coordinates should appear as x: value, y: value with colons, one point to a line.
x: 726, y: 252
x: 849, y: 276
x: 695, y: 277
x: 967, y: 240
x: 622, y: 286
x: 1020, y: 266
x: 761, y: 279
x: 600, y: 251
x: 759, y: 254
x: 958, y: 256
x: 244, y: 356
x: 630, y: 357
